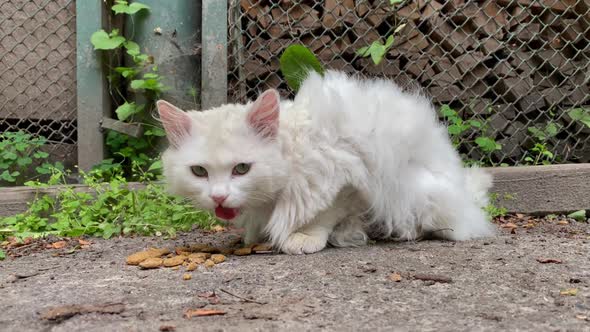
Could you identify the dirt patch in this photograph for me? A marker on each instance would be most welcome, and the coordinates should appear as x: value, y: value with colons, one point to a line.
x: 519, y: 281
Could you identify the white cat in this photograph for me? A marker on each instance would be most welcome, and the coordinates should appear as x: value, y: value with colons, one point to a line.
x: 345, y: 156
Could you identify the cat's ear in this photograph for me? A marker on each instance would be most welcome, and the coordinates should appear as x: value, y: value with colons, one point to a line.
x: 175, y: 121
x: 264, y: 114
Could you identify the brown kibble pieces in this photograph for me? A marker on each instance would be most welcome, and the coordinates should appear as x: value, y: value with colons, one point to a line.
x: 196, y: 259
x: 180, y: 250
x: 226, y: 251
x: 151, y: 263
x: 209, y: 263
x: 243, y: 251
x: 262, y: 247
x: 186, y: 276
x: 141, y: 256
x: 174, y: 261
x: 218, y: 258
x: 192, y: 266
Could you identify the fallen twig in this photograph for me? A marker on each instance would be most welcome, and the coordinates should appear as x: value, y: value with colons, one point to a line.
x: 241, y: 297
x: 431, y: 277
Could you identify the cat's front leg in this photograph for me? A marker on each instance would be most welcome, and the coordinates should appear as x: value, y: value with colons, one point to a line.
x: 312, y: 237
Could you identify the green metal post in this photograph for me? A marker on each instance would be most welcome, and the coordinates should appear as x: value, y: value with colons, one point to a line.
x: 93, y: 99
x: 171, y: 33
x: 214, y: 54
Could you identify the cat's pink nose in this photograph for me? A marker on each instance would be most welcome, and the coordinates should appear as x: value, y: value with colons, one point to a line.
x: 218, y: 198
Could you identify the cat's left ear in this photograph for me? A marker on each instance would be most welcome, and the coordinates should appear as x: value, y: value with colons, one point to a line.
x: 264, y: 114
x: 175, y: 121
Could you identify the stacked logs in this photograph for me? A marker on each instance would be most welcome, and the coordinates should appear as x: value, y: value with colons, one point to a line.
x: 512, y: 63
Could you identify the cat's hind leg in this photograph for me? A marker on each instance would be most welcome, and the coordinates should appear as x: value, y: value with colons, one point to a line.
x: 349, y: 233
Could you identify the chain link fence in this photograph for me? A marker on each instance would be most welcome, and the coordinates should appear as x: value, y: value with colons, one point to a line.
x: 38, y: 72
x: 516, y: 72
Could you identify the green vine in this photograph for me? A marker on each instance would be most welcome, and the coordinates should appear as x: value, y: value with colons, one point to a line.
x: 143, y: 79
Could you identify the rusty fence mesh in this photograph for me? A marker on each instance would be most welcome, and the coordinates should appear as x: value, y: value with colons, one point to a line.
x: 38, y: 72
x: 515, y: 72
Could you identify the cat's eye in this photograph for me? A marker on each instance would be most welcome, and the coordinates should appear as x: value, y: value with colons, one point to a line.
x: 241, y: 169
x: 199, y: 171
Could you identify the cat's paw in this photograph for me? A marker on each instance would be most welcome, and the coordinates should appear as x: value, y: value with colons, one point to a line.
x: 300, y: 243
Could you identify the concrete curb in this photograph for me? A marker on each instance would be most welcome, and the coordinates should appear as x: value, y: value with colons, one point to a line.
x: 526, y: 189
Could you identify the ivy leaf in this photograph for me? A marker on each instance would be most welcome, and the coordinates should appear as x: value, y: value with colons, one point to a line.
x: 580, y: 114
x: 102, y: 41
x: 296, y: 62
x: 9, y: 155
x: 578, y: 215
x: 131, y: 47
x: 123, y: 8
x: 377, y: 49
x: 24, y: 161
x: 125, y: 71
x: 126, y: 110
x: 2, y: 255
x: 40, y: 155
x: 455, y: 129
x: 487, y: 144
x: 447, y: 111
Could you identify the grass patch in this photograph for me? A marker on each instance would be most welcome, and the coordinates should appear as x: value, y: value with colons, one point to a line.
x: 112, y: 210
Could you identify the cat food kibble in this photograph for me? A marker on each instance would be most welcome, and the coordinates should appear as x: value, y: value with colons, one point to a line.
x: 192, y: 266
x: 209, y: 263
x: 174, y: 261
x: 197, y: 259
x: 186, y: 276
x: 218, y: 258
x: 141, y: 256
x: 243, y: 251
x: 151, y: 263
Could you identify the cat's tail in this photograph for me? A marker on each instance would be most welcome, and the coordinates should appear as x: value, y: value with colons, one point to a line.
x: 478, y: 183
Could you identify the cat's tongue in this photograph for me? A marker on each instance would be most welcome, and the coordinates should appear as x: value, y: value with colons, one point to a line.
x: 226, y: 213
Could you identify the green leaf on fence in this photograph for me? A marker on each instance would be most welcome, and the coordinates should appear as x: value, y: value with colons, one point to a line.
x: 126, y: 110
x: 122, y: 7
x: 487, y: 144
x: 102, y: 41
x: 580, y: 114
x: 296, y: 62
x: 376, y: 50
x: 132, y: 48
x: 2, y: 255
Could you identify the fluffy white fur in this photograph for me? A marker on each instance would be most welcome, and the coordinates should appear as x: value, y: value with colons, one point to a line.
x: 346, y: 156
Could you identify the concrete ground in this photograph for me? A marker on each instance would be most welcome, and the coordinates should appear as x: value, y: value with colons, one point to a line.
x: 537, y: 279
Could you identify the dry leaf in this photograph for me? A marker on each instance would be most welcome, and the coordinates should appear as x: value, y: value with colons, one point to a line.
x: 167, y: 328
x: 83, y: 242
x: 58, y: 244
x: 569, y: 292
x: 67, y: 311
x: 202, y: 312
x: 509, y: 225
x: 395, y: 277
x: 549, y: 260
x: 563, y: 222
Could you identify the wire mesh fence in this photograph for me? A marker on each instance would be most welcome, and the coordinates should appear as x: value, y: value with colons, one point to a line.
x: 38, y: 72
x: 514, y: 74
